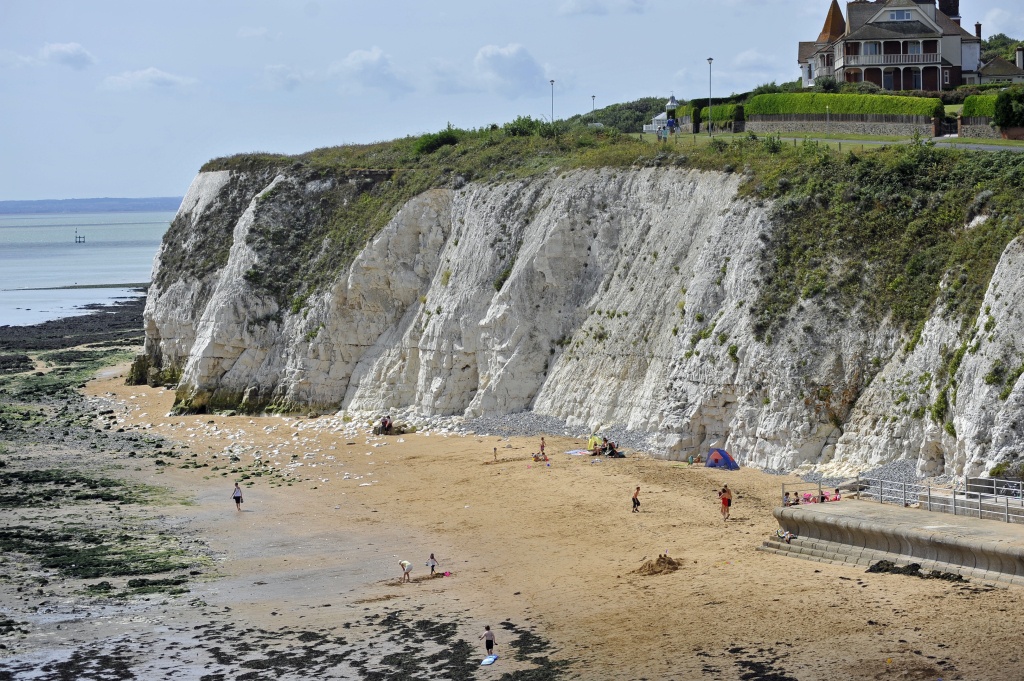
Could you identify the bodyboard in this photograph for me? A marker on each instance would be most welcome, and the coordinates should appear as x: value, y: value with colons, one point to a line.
x: 490, y: 659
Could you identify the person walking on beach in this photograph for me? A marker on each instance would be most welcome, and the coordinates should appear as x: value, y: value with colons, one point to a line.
x: 542, y: 449
x: 636, y: 500
x: 406, y: 569
x: 431, y: 564
x: 488, y: 637
x: 726, y: 496
x: 236, y: 494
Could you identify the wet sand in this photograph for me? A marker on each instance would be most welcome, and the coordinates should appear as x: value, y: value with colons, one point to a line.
x: 553, y: 547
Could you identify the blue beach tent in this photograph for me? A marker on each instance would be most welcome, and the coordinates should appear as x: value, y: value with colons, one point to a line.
x: 719, y: 458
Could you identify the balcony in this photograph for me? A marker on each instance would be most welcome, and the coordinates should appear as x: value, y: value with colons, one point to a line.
x: 886, y: 60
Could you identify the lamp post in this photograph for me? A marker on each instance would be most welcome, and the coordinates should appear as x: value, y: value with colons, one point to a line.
x: 552, y: 102
x: 593, y: 106
x: 828, y: 119
x: 710, y: 59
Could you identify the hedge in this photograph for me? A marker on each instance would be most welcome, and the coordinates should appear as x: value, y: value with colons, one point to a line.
x: 723, y: 112
x: 1009, y: 108
x: 815, y: 103
x: 979, y: 105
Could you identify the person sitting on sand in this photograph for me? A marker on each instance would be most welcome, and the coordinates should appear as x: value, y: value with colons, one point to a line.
x: 786, y: 501
x: 836, y: 496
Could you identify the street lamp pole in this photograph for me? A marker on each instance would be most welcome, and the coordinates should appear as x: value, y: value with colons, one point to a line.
x: 828, y: 119
x: 710, y: 59
x: 552, y: 102
x: 593, y: 106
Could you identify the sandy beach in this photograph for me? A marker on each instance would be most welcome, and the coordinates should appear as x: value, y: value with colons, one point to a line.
x: 553, y: 547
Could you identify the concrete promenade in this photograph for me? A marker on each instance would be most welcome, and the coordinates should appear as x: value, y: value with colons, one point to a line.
x: 861, y: 533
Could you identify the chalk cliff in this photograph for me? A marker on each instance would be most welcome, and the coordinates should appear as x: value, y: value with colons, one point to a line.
x: 597, y: 296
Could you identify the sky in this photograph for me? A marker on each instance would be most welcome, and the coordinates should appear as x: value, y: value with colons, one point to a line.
x: 129, y: 98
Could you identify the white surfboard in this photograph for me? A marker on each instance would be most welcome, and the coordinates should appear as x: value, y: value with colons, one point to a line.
x: 490, y: 659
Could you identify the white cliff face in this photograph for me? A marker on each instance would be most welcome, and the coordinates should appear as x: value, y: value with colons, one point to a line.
x: 601, y: 297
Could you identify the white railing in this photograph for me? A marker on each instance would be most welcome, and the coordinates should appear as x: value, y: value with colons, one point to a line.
x: 886, y: 59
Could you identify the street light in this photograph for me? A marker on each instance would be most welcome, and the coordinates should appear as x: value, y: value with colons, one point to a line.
x: 828, y: 119
x: 552, y: 102
x: 592, y: 105
x: 710, y: 59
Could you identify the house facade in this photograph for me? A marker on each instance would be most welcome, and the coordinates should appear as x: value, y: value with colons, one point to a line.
x: 895, y: 44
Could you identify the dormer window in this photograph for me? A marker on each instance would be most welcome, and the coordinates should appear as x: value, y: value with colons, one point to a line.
x: 900, y: 15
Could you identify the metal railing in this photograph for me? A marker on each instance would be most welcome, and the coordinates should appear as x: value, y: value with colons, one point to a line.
x: 989, y: 498
x: 986, y: 498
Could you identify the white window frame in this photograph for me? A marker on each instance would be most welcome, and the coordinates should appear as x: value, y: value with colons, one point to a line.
x: 901, y: 15
x: 945, y: 76
x: 914, y: 47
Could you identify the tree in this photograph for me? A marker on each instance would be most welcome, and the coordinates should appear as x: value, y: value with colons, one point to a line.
x: 999, y: 45
x: 1009, y: 111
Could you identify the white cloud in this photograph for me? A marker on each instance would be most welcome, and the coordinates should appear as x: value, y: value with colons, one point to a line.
x: 510, y: 70
x: 145, y: 79
x: 253, y: 32
x: 752, y: 60
x: 998, y: 20
x: 371, y: 69
x: 601, y: 7
x: 281, y: 77
x: 67, y: 54
x: 13, y: 60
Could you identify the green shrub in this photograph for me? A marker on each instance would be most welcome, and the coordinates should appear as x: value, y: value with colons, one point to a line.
x: 815, y: 103
x: 1009, y: 108
x: 723, y: 113
x: 431, y: 142
x: 522, y: 126
x: 977, y: 106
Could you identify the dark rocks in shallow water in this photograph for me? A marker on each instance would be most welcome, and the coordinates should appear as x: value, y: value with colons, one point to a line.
x: 118, y: 324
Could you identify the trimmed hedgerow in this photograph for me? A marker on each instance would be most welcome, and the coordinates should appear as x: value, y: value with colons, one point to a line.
x: 816, y: 103
x: 977, y: 106
x: 723, y: 112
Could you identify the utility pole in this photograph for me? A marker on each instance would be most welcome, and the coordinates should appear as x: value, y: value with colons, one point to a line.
x: 552, y: 102
x: 710, y: 59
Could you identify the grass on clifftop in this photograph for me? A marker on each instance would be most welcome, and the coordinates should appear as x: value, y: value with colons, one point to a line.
x: 882, y: 231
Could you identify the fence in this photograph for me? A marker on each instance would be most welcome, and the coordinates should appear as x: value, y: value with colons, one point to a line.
x: 986, y: 498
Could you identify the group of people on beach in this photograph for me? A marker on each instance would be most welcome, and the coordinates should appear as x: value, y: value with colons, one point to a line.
x: 821, y: 497
x: 386, y: 426
x: 407, y: 568
x: 605, y: 447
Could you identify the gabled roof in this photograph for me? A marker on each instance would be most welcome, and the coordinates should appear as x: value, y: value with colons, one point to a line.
x: 950, y: 27
x: 893, y: 30
x: 1000, y: 67
x: 835, y: 25
x: 857, y: 14
x: 806, y: 51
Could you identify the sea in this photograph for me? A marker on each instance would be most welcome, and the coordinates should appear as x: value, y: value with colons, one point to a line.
x: 45, y: 273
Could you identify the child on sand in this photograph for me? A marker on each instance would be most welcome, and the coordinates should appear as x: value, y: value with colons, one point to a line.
x: 406, y: 569
x: 636, y: 500
x: 542, y: 449
x: 431, y: 564
x: 236, y: 494
x: 488, y: 637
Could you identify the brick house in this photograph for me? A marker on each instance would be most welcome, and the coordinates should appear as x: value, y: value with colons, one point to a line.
x: 895, y: 44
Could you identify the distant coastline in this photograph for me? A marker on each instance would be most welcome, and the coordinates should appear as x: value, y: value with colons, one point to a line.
x: 103, y: 205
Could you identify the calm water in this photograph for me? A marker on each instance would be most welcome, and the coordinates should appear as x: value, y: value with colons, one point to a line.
x: 39, y: 252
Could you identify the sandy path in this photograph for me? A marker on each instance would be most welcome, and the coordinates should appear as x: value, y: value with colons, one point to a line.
x: 557, y: 546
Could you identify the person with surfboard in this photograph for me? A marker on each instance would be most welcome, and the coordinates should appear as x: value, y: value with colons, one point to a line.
x: 488, y: 637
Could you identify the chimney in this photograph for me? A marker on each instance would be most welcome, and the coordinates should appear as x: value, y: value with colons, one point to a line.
x: 977, y: 29
x: 1020, y: 56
